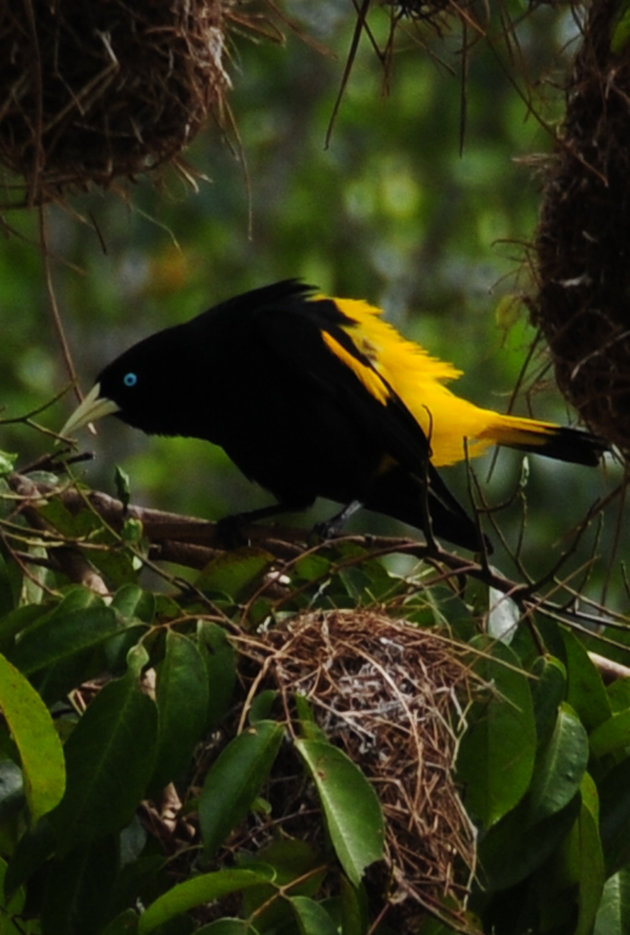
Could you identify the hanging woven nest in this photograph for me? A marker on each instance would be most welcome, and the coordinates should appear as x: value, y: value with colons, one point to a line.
x: 389, y: 694
x: 91, y: 92
x: 583, y: 241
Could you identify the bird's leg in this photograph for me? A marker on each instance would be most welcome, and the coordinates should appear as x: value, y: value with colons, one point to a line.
x: 335, y: 524
x: 230, y: 528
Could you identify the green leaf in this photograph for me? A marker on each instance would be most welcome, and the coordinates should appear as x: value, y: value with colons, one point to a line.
x: 619, y: 695
x: 32, y: 850
x: 353, y: 908
x: 10, y: 585
x: 64, y: 647
x: 132, y: 602
x: 231, y: 572
x: 512, y: 849
x: 560, y: 767
x: 586, y: 692
x: 10, y: 905
x: 585, y: 859
x: 220, y: 660
x: 614, y: 791
x: 109, y: 758
x: 228, y: 926
x: 497, y: 753
x: 313, y: 566
x: 621, y: 29
x: 196, y: 891
x: 353, y: 813
x: 12, y: 623
x: 78, y: 889
x: 182, y: 701
x: 34, y: 733
x: 234, y: 781
x: 613, y: 915
x: 612, y: 735
x: 124, y: 924
x: 295, y: 865
x: 548, y: 692
x: 7, y: 462
x: 311, y: 917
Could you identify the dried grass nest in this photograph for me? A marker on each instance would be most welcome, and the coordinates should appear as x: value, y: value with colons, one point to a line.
x: 389, y: 694
x: 90, y: 92
x: 583, y: 241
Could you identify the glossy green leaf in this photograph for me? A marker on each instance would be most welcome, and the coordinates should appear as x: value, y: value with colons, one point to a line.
x: 313, y: 566
x: 586, y: 692
x: 612, y: 735
x: 295, y: 865
x: 351, y: 807
x: 37, y: 740
x: 220, y: 661
x: 497, y: 753
x: 196, y: 891
x: 131, y: 601
x: 311, y: 917
x: 513, y: 849
x: 109, y: 758
x: 234, y: 781
x: 560, y: 766
x: 353, y: 908
x: 619, y: 694
x: 548, y: 691
x: 63, y: 647
x: 614, y: 791
x: 78, y: 889
x: 585, y: 859
x: 231, y: 572
x: 14, y: 622
x: 613, y: 915
x: 182, y: 701
x: 34, y: 847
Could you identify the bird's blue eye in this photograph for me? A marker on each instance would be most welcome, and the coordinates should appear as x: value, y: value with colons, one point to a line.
x: 130, y: 379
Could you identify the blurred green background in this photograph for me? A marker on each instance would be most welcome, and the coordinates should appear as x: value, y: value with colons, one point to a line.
x: 423, y: 201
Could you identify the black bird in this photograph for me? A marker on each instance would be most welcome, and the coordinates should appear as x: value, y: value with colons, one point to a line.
x: 299, y: 390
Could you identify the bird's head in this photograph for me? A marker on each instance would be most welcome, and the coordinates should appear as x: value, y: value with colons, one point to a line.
x: 143, y: 387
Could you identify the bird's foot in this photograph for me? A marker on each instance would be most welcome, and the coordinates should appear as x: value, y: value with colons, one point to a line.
x: 334, y: 526
x: 230, y: 531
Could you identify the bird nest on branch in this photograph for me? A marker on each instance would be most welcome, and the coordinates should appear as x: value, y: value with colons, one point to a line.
x: 583, y: 241
x: 91, y: 92
x: 389, y: 694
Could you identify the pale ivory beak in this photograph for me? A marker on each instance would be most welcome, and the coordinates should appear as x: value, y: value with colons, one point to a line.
x: 93, y: 407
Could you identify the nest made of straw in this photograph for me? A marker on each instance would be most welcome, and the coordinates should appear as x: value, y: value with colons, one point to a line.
x: 90, y: 92
x: 583, y: 241
x: 389, y: 694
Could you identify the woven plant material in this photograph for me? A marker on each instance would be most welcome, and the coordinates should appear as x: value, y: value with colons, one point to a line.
x: 90, y: 92
x: 583, y: 241
x: 389, y: 694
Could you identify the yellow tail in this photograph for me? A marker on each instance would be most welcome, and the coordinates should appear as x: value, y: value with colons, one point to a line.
x: 452, y: 424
